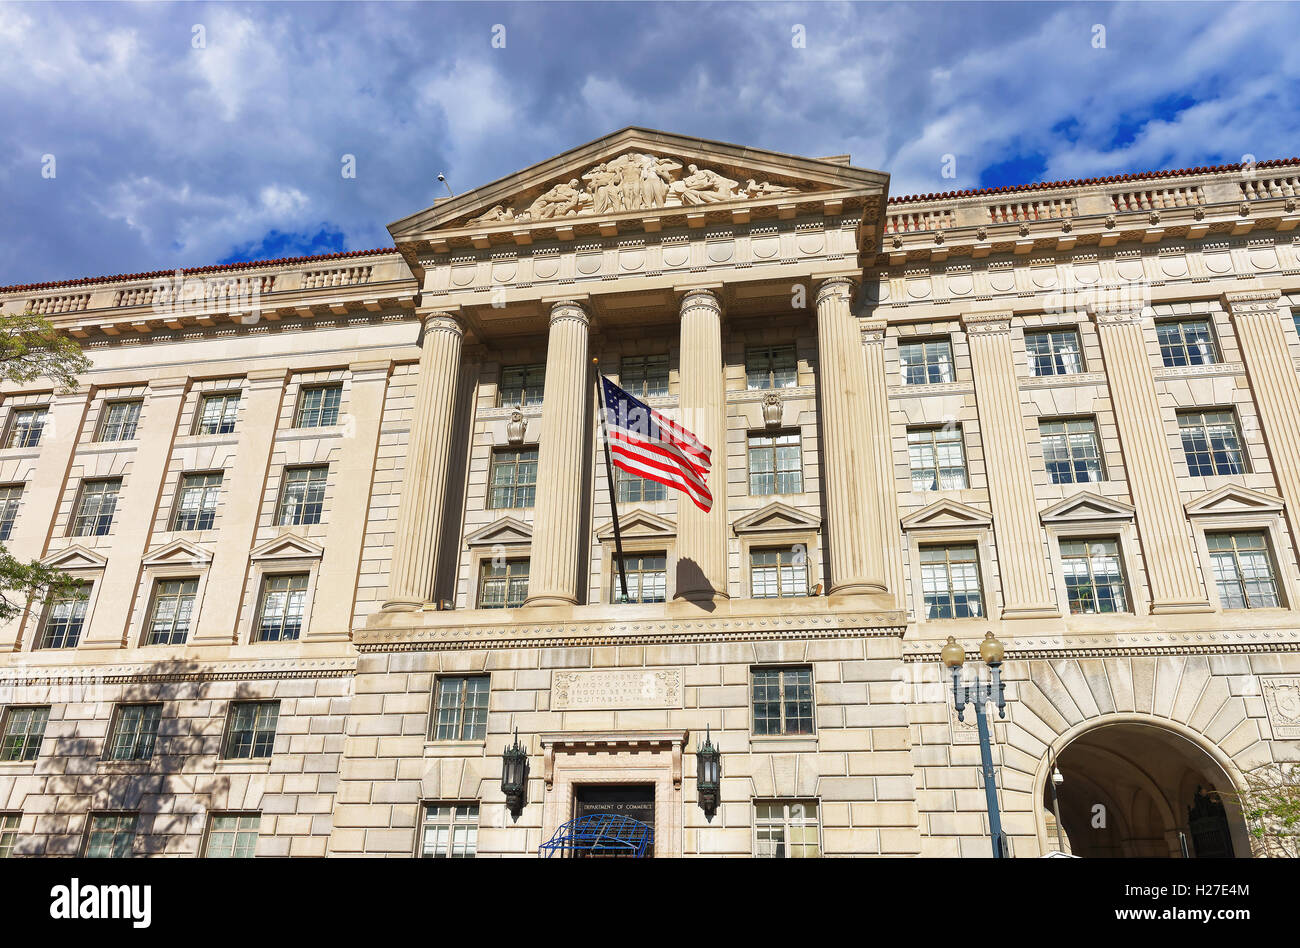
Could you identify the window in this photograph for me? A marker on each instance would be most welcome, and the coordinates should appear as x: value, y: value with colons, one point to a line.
x: 450, y: 830
x: 778, y: 574
x: 647, y: 578
x: 218, y: 413
x: 771, y: 367
x: 936, y: 457
x: 775, y: 466
x: 25, y: 427
x: 196, y: 504
x: 1295, y: 319
x: 119, y: 421
x: 318, y: 406
x: 134, y: 732
x: 232, y: 835
x: 1094, y: 577
x: 1211, y: 443
x: 462, y: 708
x: 783, y: 700
x: 280, y: 613
x: 250, y: 729
x: 926, y: 362
x: 632, y: 488
x: 95, y: 508
x: 950, y: 582
x: 10, y: 495
x: 512, y: 482
x: 644, y: 376
x: 173, y: 610
x: 1070, y: 450
x: 8, y: 833
x: 521, y: 385
x: 1243, y: 570
x: 111, y: 835
x: 503, y: 586
x: 24, y: 729
x: 786, y: 829
x: 302, y: 498
x: 64, y: 617
x: 1054, y: 352
x: 1186, y: 342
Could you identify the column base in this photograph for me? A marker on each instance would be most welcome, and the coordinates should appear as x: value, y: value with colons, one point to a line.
x: 549, y: 602
x: 403, y: 605
x: 706, y: 599
x: 1180, y: 607
x: 1044, y: 611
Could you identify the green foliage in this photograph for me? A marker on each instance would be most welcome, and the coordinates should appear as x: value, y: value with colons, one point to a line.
x: 1271, y: 805
x: 22, y: 582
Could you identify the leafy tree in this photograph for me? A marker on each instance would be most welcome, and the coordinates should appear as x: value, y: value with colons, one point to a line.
x: 1270, y: 803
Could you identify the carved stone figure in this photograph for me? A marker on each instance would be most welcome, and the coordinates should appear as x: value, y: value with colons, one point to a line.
x: 560, y: 201
x: 499, y: 213
x: 767, y: 189
x: 702, y: 186
x: 604, y: 183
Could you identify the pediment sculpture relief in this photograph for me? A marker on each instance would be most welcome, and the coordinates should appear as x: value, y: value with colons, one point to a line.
x: 633, y: 182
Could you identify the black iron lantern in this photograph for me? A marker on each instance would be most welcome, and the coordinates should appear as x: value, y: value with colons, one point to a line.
x: 708, y: 775
x: 514, y: 777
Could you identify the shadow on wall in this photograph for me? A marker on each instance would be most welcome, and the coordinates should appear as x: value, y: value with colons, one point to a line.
x: 694, y: 586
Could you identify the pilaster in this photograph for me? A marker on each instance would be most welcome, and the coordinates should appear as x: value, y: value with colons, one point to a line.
x: 880, y: 432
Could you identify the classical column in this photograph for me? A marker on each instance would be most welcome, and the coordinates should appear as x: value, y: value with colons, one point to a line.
x: 1022, y: 561
x: 849, y: 445
x: 887, y: 531
x: 1162, y: 524
x: 553, y: 570
x: 424, y: 480
x: 702, y: 537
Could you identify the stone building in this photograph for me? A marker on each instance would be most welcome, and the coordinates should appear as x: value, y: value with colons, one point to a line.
x: 343, y: 524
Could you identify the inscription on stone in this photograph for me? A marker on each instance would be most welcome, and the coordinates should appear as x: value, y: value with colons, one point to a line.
x: 616, y: 688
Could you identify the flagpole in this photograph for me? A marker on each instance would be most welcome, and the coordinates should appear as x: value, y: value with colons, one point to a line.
x: 609, y: 475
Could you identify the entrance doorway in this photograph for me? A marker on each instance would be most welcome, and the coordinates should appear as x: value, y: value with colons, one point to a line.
x: 634, y: 801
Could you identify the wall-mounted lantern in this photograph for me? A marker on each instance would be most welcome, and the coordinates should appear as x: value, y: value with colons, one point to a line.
x: 708, y: 775
x: 514, y: 777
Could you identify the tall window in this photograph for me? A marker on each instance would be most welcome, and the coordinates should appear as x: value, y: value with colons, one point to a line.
x: 521, y: 384
x: 250, y: 729
x: 512, y: 482
x: 119, y: 421
x: 8, y: 833
x: 643, y: 376
x: 1295, y: 319
x: 134, y: 732
x: 111, y: 835
x: 775, y: 466
x: 318, y: 406
x: 302, y: 498
x: 25, y: 427
x: 647, y: 578
x: 950, y: 582
x: 218, y: 413
x: 232, y: 835
x: 95, y: 508
x: 1186, y: 342
x: 786, y: 829
x: 449, y: 830
x: 172, y: 613
x: 23, y: 731
x: 1211, y: 443
x: 280, y: 615
x: 64, y: 617
x: 926, y: 362
x: 1094, y: 576
x: 632, y: 488
x: 771, y: 367
x: 778, y: 574
x: 196, y: 502
x: 1070, y: 450
x: 1054, y: 352
x: 936, y: 457
x: 462, y: 708
x: 10, y: 495
x: 503, y: 585
x: 1243, y: 570
x: 783, y: 700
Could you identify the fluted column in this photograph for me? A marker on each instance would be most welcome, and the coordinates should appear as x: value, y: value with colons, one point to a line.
x: 553, y: 570
x: 887, y: 531
x: 1022, y: 563
x: 853, y: 485
x: 424, y: 482
x: 702, y: 537
x: 1162, y: 524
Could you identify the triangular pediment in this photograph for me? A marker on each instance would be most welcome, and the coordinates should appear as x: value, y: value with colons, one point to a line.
x: 179, y: 552
x: 75, y: 557
x: 506, y: 531
x: 947, y: 514
x: 287, y: 547
x: 1234, y: 500
x: 1086, y: 506
x: 637, y: 525
x: 777, y: 517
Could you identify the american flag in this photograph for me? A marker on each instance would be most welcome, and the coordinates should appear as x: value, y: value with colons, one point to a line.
x: 645, y: 443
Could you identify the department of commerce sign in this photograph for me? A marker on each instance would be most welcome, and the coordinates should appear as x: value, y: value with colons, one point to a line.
x: 616, y: 688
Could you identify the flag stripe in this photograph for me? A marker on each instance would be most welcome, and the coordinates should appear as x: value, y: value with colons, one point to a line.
x: 651, y: 462
x: 701, y: 499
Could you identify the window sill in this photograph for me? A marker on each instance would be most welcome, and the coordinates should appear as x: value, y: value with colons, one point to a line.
x: 783, y: 743
x: 12, y: 767
x: 243, y: 765
x: 454, y: 748
x: 124, y: 766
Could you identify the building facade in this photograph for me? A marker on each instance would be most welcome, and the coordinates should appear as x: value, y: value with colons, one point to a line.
x: 343, y: 526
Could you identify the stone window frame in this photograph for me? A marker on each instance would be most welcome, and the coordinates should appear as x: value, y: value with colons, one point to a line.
x: 786, y: 801
x: 979, y: 533
x: 102, y: 423
x: 295, y: 419
x: 430, y: 732
x: 421, y: 821
x: 1118, y: 528
x: 156, y: 568
x: 212, y: 817
x: 1049, y: 331
x: 775, y: 743
x: 1243, y: 446
x: 80, y: 498
x: 808, y: 537
x: 507, y: 534
x: 773, y: 434
x: 228, y: 717
x: 91, y: 572
x: 1272, y: 525
x: 264, y: 564
x: 663, y: 539
x: 11, y: 422
x: 92, y: 815
x: 925, y: 339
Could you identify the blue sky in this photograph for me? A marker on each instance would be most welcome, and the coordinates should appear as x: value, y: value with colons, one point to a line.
x: 169, y: 155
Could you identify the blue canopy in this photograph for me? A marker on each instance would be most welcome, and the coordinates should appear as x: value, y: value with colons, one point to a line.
x: 600, y: 834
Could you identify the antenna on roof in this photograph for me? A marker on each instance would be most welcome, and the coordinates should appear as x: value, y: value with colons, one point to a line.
x: 443, y: 178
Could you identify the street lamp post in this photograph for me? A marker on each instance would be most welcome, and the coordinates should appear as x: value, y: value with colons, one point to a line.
x: 979, y: 692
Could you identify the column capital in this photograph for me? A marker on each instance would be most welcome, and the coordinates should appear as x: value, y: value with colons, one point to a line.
x: 700, y: 297
x: 1249, y: 302
x: 873, y: 330
x: 840, y: 285
x: 175, y: 385
x: 443, y: 321
x: 1115, y: 315
x: 373, y: 369
x: 569, y: 309
x: 987, y: 324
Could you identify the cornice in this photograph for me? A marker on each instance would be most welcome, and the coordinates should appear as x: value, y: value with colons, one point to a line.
x: 179, y: 671
x: 1135, y: 644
